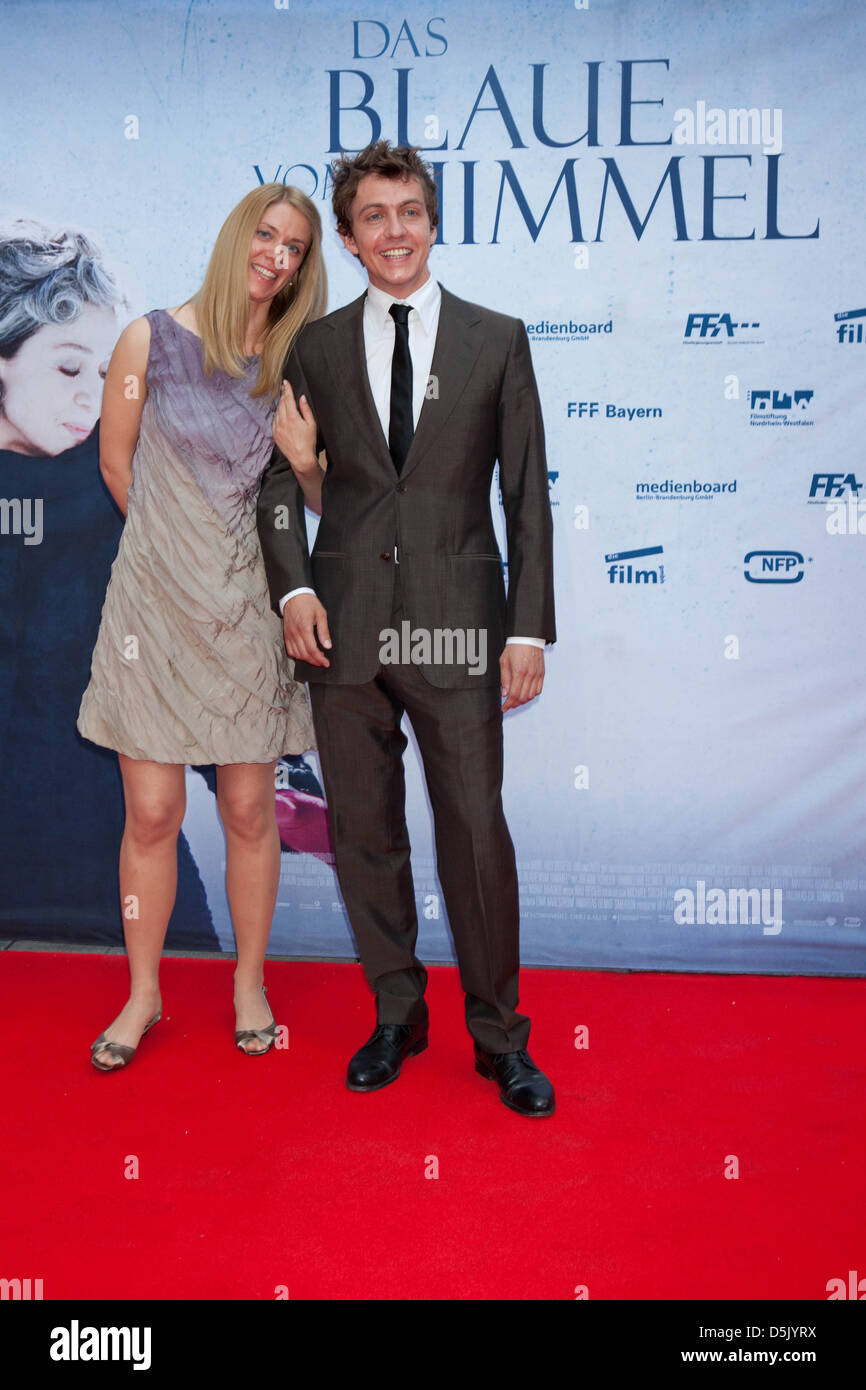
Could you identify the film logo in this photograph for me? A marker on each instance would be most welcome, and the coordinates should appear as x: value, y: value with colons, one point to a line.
x: 621, y: 570
x: 849, y: 331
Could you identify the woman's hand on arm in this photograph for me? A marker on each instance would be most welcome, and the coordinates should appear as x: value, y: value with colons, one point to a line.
x: 123, y: 400
x: 295, y: 437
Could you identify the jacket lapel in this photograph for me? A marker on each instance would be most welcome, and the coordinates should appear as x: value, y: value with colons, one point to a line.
x: 347, y: 361
x: 458, y: 343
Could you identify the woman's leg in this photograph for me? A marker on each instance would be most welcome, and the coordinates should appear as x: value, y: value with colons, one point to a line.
x: 245, y: 796
x: 155, y: 797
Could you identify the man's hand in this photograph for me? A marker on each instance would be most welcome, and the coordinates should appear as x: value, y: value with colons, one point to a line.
x: 521, y: 670
x: 304, y: 618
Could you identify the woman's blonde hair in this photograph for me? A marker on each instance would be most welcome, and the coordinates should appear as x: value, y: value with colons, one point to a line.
x: 222, y: 305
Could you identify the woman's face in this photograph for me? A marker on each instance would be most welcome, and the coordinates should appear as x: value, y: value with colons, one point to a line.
x: 52, y: 387
x: 280, y: 242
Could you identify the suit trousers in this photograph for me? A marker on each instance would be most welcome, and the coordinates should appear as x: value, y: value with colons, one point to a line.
x: 459, y: 736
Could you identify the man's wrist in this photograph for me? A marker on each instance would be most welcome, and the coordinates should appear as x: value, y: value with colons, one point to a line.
x: 293, y: 593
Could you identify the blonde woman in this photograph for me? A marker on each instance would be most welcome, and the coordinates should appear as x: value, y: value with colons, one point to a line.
x: 189, y: 665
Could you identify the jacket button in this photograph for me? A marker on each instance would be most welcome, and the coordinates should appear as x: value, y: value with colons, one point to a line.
x: 386, y: 555
x: 402, y: 487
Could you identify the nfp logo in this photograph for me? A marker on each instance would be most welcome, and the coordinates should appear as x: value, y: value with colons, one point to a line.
x: 773, y: 567
x: 827, y: 485
x: 849, y: 332
x: 714, y: 327
x: 621, y: 571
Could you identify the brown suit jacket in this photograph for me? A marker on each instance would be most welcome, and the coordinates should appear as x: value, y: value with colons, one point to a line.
x: 482, y: 406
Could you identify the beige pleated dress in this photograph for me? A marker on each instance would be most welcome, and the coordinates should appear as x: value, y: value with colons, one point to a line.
x: 189, y: 664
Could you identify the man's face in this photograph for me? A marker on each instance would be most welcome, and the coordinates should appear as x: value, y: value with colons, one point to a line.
x: 391, y: 233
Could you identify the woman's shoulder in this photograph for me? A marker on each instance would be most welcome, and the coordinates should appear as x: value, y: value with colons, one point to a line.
x: 184, y: 314
x: 132, y: 349
x: 139, y: 330
x: 160, y: 322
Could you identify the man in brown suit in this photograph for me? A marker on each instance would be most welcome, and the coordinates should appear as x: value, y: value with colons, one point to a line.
x: 414, y: 395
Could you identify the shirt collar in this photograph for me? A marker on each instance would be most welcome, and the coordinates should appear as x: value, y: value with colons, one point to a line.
x: 425, y: 301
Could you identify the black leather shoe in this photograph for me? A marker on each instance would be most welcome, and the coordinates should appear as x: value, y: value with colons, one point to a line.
x: 522, y: 1085
x: 379, y: 1060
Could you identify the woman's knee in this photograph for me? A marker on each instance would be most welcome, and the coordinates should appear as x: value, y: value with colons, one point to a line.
x: 246, y: 816
x: 154, y: 819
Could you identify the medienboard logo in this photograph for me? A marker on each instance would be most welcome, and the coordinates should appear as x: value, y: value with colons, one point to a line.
x: 773, y: 566
x: 552, y: 480
x: 622, y: 571
x: 780, y: 408
x: 692, y: 490
x: 848, y: 331
x: 711, y: 329
x: 568, y: 330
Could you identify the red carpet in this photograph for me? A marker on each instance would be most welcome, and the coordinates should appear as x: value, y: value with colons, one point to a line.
x: 257, y: 1173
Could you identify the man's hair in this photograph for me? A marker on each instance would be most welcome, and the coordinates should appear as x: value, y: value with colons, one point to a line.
x: 389, y: 162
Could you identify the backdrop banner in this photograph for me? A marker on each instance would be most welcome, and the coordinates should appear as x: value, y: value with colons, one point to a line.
x: 671, y: 198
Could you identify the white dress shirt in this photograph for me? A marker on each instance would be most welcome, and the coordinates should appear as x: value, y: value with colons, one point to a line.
x: 379, y: 331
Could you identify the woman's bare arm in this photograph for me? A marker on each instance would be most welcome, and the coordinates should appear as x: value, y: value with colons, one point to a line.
x: 122, y: 403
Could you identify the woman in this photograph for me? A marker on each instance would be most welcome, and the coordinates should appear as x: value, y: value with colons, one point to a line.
x: 62, y: 819
x: 189, y: 665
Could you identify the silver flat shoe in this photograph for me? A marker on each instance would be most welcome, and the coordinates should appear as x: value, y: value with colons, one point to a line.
x: 264, y: 1035
x: 121, y: 1050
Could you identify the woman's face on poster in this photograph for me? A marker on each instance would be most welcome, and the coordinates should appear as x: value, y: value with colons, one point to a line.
x: 52, y: 387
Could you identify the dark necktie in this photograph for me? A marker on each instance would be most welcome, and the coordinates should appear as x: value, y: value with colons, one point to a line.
x: 400, y: 426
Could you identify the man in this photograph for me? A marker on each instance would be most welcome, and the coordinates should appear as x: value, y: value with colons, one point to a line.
x: 414, y: 394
